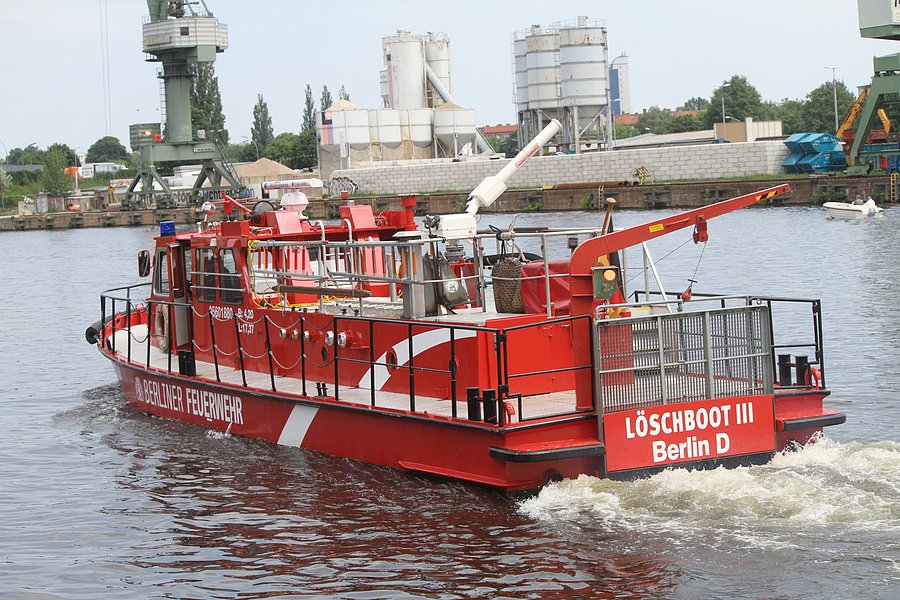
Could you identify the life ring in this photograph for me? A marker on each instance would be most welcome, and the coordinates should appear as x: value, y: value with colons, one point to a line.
x: 161, y: 326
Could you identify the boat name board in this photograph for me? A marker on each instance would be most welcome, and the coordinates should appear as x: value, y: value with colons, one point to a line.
x: 212, y: 406
x: 689, y: 431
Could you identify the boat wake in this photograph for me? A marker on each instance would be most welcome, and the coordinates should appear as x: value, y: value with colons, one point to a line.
x: 852, y: 487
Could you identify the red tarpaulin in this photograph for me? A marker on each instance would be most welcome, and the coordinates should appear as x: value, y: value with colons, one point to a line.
x: 534, y: 294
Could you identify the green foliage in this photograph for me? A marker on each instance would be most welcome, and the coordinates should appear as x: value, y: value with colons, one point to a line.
x: 5, y: 184
x: 242, y: 152
x: 206, y: 103
x: 307, y: 151
x: 695, y: 103
x: 655, y: 120
x: 790, y: 113
x: 107, y: 149
x: 742, y: 100
x: 261, y: 130
x: 325, y: 100
x: 309, y: 113
x: 507, y: 144
x: 292, y: 150
x: 30, y: 155
x: 662, y: 120
x: 818, y: 110
x: 54, y: 179
x: 682, y: 123
x: 343, y: 94
x: 829, y: 193
x: 625, y: 131
x: 70, y: 158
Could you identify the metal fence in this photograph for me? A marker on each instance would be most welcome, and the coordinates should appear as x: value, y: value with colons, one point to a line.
x: 680, y: 357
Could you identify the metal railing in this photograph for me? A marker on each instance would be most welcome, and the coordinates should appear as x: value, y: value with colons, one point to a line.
x: 121, y: 310
x: 680, y: 357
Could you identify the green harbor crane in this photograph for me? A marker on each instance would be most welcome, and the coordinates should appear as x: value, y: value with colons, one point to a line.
x: 880, y: 20
x: 179, y: 34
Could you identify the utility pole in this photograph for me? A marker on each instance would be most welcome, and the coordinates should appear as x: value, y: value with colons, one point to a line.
x: 724, y: 85
x: 834, y: 89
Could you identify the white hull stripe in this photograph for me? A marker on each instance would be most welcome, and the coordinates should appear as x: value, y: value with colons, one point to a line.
x: 297, y: 425
x: 422, y: 342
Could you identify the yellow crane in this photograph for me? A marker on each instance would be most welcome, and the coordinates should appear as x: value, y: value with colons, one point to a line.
x: 854, y: 112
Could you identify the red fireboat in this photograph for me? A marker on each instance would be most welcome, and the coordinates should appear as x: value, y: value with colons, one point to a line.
x: 413, y: 347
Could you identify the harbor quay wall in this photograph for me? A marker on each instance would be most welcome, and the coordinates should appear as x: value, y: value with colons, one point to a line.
x: 676, y: 163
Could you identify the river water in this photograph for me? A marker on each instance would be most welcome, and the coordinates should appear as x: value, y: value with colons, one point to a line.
x: 100, y: 500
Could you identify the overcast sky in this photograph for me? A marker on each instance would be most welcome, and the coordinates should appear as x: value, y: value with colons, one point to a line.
x: 51, y: 86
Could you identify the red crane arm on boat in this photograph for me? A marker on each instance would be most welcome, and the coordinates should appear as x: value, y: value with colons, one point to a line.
x: 228, y: 204
x: 586, y: 255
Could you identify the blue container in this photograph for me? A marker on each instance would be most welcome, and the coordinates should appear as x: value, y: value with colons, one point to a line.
x: 793, y: 142
x: 790, y: 163
x: 166, y: 228
x: 819, y: 142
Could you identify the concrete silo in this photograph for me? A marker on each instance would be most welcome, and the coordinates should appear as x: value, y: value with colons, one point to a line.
x: 454, y: 130
x: 562, y: 71
x: 584, y: 82
x: 342, y: 130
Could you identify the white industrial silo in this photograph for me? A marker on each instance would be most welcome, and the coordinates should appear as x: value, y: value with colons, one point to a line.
x: 415, y: 127
x: 542, y: 61
x: 437, y: 55
x: 454, y: 128
x: 342, y: 130
x: 404, y: 59
x: 521, y: 72
x: 584, y: 85
x: 384, y: 134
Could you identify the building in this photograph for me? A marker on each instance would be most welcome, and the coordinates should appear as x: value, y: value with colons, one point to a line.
x: 420, y: 118
x: 499, y: 131
x: 562, y: 71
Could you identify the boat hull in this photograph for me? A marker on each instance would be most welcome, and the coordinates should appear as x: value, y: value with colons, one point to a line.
x: 845, y: 210
x: 508, y: 458
x: 412, y: 442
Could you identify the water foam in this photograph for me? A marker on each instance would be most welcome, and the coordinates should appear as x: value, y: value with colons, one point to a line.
x: 843, y: 487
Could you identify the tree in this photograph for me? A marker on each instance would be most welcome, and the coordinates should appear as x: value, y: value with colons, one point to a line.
x: 284, y: 149
x: 309, y: 113
x: 71, y: 159
x: 686, y: 122
x: 261, y: 130
x: 818, y: 109
x: 343, y: 95
x: 30, y: 155
x: 5, y: 183
x: 790, y: 113
x: 506, y: 144
x: 742, y: 100
x: 695, y: 103
x: 54, y: 178
x: 295, y: 151
x: 656, y: 120
x: 306, y: 150
x: 206, y: 103
x: 625, y: 131
x: 242, y: 152
x: 107, y: 149
x: 325, y: 101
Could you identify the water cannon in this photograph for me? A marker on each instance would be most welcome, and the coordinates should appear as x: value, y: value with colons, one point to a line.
x: 490, y: 189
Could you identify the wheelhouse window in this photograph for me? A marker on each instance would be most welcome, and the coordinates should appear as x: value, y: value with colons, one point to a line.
x: 262, y: 263
x: 161, y: 274
x: 205, y: 276
x: 229, y: 279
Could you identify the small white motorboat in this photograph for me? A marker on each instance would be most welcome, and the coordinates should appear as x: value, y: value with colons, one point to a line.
x: 847, y: 210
